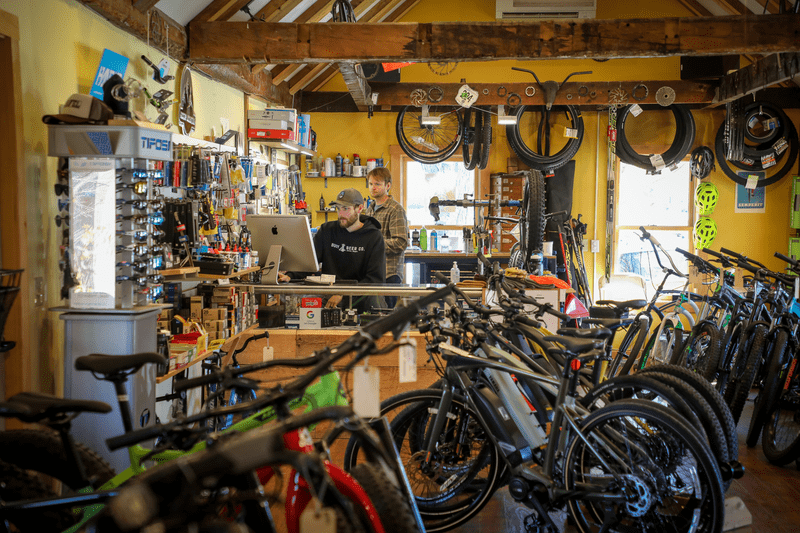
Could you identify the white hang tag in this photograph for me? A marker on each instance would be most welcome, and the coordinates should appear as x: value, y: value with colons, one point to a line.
x: 636, y: 110
x: 768, y: 160
x: 571, y: 133
x: 408, y: 361
x: 780, y: 146
x: 267, y: 353
x: 752, y: 182
x: 466, y: 96
x: 317, y: 519
x: 657, y: 161
x: 163, y: 67
x: 366, y: 391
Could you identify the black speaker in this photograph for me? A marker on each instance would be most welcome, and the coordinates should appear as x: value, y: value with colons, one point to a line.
x: 375, y: 72
x: 707, y: 68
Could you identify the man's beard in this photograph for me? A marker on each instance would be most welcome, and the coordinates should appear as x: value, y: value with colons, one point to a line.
x: 347, y: 222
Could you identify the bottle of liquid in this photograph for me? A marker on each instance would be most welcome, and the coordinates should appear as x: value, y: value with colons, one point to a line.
x: 423, y: 239
x: 455, y: 273
x: 346, y: 170
x: 434, y: 241
x: 415, y: 238
x: 356, y: 160
x: 321, y: 203
x: 338, y: 165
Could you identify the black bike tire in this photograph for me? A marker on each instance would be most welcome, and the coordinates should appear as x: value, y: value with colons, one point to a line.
x: 545, y: 163
x: 681, y: 144
x: 535, y: 212
x: 426, y: 157
x: 486, y: 142
x: 636, y: 349
x: 776, y: 359
x: 19, y: 485
x: 42, y: 451
x: 730, y: 347
x: 744, y: 379
x: 473, y: 136
x: 712, y: 396
x: 633, y: 330
x: 393, y: 509
x: 719, y: 149
x: 706, y: 365
x: 712, y: 507
x: 780, y: 454
x: 711, y: 425
x: 432, y: 522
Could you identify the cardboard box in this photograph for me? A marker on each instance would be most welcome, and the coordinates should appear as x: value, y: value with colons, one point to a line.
x: 215, y: 313
x: 311, y: 313
x: 270, y: 134
x: 196, y: 308
x: 274, y: 113
x: 261, y: 124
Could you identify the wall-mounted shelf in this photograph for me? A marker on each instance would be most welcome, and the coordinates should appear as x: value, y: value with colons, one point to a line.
x: 285, y: 144
x: 201, y: 356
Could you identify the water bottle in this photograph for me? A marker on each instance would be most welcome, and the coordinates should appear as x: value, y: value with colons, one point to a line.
x: 423, y: 239
x: 415, y: 238
x: 338, y: 165
x: 538, y: 263
x: 434, y: 241
x: 455, y: 273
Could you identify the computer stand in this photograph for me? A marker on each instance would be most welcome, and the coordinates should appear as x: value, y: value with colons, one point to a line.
x: 269, y: 272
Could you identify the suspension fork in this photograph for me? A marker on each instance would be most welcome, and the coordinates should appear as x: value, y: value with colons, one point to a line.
x: 438, y: 422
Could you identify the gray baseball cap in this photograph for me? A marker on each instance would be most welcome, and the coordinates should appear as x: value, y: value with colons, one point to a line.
x: 348, y: 198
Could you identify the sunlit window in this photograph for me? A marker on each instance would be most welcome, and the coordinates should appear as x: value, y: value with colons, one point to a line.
x: 449, y: 180
x: 661, y: 203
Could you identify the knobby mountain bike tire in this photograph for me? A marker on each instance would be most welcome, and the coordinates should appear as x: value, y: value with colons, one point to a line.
x: 393, y: 510
x: 701, y: 354
x: 730, y: 347
x: 542, y: 160
x: 776, y: 361
x: 712, y: 396
x: 472, y: 138
x: 665, y: 498
x: 19, y: 485
x: 780, y: 440
x: 533, y: 206
x: 429, y: 144
x: 744, y: 370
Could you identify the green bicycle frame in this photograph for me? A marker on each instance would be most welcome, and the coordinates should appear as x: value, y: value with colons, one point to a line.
x: 325, y: 393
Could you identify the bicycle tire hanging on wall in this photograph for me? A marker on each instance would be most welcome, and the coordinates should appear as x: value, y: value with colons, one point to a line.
x: 477, y: 137
x: 681, y: 143
x: 765, y: 146
x: 429, y: 143
x: 540, y: 159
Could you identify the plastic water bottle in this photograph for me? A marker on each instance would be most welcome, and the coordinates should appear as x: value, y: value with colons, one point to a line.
x: 423, y: 239
x: 455, y: 273
x: 434, y: 241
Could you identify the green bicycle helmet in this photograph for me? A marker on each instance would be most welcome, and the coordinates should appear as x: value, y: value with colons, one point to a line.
x: 705, y: 198
x: 704, y: 232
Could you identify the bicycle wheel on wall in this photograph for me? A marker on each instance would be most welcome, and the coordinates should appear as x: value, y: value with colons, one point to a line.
x: 429, y: 143
x: 533, y: 205
x: 528, y: 131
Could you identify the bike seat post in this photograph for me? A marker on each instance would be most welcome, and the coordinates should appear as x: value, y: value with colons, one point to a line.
x: 123, y: 400
x: 63, y: 428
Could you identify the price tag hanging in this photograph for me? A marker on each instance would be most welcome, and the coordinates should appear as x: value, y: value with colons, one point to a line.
x: 408, y: 361
x: 366, y: 391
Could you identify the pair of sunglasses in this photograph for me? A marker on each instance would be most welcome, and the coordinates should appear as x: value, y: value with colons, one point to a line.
x: 142, y: 280
x: 138, y: 187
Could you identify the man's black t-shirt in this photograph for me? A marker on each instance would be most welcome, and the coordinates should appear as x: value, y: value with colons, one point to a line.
x: 357, y: 255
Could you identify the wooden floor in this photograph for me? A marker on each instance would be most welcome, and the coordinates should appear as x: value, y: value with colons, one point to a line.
x: 770, y: 493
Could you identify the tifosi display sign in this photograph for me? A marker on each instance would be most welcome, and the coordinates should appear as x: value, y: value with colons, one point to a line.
x: 153, y: 144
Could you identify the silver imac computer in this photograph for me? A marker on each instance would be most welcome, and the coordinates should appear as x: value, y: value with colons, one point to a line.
x: 283, y: 242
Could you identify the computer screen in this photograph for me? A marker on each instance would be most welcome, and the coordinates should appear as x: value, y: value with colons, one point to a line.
x: 292, y: 233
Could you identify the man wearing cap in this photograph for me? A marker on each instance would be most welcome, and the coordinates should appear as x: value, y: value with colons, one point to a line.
x: 351, y: 247
x: 394, y: 226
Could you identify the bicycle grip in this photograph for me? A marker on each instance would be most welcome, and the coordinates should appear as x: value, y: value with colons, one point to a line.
x: 134, y: 437
x: 441, y: 277
x: 186, y: 384
x: 713, y: 253
x: 482, y: 258
x: 732, y: 253
x: 789, y: 260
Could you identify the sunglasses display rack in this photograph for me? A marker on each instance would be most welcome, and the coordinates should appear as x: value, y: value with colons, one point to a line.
x: 114, y: 250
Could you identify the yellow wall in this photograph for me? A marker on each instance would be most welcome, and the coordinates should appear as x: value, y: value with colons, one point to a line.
x: 60, y: 47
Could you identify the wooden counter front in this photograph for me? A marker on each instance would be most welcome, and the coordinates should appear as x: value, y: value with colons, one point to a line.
x: 299, y: 343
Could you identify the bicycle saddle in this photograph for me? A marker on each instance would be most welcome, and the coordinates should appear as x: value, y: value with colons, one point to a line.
x: 109, y: 365
x: 610, y: 323
x: 574, y: 346
x: 585, y: 333
x: 614, y: 309
x: 36, y: 406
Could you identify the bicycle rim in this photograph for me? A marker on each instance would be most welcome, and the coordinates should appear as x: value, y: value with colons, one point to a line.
x: 429, y: 143
x: 657, y: 458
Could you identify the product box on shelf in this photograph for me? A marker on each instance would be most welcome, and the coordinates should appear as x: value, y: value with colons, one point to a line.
x: 273, y: 113
x: 277, y: 135
x: 304, y: 130
x: 196, y: 308
x: 311, y: 313
x: 261, y: 124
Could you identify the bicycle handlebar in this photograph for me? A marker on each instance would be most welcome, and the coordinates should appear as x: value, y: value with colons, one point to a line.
x: 657, y: 246
x: 793, y: 262
x: 230, y: 372
x: 741, y: 257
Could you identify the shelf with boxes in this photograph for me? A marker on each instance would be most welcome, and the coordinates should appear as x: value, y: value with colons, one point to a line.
x: 282, y: 128
x: 215, y: 313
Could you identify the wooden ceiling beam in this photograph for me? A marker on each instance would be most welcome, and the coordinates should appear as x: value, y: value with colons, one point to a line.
x: 733, y: 7
x: 210, y: 42
x: 239, y: 77
x: 220, y: 10
x: 380, y: 10
x: 144, y: 5
x: 285, y: 73
x: 770, y: 70
x: 327, y: 74
x: 696, y: 8
x: 404, y: 8
x: 282, y: 7
x: 304, y: 77
x: 316, y: 12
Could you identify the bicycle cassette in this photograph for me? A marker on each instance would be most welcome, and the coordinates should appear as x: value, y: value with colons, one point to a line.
x: 665, y: 96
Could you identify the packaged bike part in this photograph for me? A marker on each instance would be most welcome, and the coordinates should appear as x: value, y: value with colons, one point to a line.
x: 510, y: 441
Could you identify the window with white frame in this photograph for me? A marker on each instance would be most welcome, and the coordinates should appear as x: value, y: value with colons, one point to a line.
x: 662, y: 203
